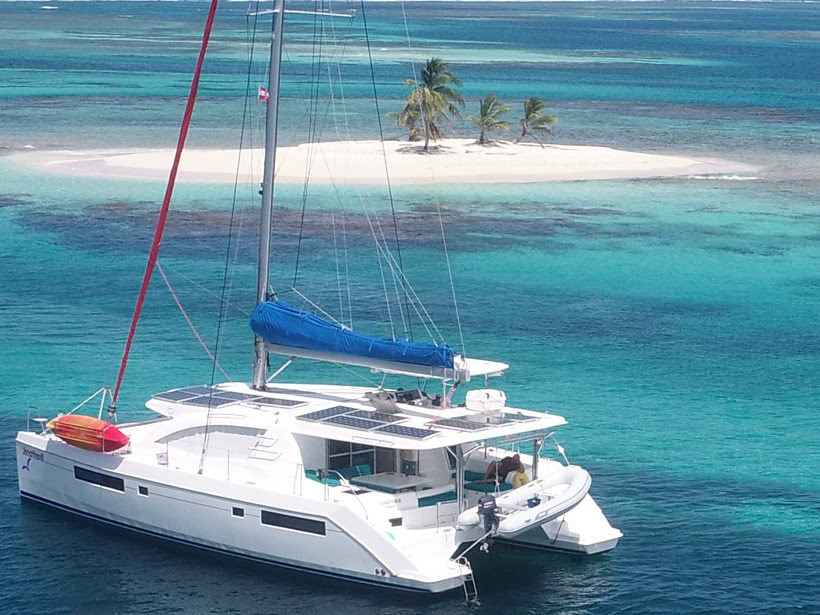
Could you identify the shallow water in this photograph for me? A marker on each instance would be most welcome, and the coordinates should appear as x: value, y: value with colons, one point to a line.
x: 673, y: 322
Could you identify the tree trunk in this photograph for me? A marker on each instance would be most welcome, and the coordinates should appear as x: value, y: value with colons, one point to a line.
x: 481, y: 139
x: 523, y: 131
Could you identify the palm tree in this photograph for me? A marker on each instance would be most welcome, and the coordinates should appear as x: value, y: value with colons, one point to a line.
x: 432, y: 98
x: 533, y: 122
x: 410, y: 117
x: 489, y: 112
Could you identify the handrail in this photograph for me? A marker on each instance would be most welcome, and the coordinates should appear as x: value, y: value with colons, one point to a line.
x: 346, y: 483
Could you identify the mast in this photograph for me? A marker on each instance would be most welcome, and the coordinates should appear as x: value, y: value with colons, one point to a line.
x: 260, y: 361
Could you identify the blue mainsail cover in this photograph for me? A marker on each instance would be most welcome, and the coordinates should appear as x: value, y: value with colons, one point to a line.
x: 283, y: 324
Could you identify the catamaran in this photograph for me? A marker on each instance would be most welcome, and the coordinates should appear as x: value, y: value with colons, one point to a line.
x: 390, y: 487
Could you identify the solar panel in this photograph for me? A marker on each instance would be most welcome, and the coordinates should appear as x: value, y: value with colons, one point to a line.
x: 408, y: 432
x: 349, y: 421
x: 326, y: 413
x: 462, y: 424
x: 212, y: 401
x: 232, y: 395
x: 275, y: 401
x: 376, y: 416
x: 180, y: 394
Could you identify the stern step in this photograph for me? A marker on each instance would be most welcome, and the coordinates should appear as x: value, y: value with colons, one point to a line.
x: 468, y: 582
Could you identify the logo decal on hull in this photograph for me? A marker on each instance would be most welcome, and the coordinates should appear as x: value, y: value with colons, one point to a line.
x: 31, y: 455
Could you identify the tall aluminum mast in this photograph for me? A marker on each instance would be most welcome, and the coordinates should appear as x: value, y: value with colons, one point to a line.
x: 260, y: 361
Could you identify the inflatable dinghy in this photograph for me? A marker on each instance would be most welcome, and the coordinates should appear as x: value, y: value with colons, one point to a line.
x: 531, y: 505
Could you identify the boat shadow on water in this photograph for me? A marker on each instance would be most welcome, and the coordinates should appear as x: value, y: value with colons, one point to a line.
x: 160, y: 571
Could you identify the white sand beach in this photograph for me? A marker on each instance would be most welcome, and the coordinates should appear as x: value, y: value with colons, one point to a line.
x: 368, y: 162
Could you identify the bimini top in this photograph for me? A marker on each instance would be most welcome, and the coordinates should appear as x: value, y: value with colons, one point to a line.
x: 291, y: 331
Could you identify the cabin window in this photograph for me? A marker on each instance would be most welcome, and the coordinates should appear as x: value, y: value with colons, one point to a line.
x: 238, y: 512
x: 341, y: 455
x: 311, y: 526
x: 96, y: 478
x: 143, y: 490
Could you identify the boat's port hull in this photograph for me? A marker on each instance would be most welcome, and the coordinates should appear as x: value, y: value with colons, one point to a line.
x: 454, y: 584
x: 207, y: 521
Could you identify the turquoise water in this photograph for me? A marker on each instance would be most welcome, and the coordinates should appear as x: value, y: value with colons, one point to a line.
x: 673, y: 322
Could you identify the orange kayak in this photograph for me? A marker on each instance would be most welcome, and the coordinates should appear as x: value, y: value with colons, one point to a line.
x: 88, y: 433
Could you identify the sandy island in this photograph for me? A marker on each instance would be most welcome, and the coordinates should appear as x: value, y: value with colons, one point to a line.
x: 363, y: 162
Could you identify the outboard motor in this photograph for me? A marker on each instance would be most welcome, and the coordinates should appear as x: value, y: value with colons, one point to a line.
x: 487, y: 510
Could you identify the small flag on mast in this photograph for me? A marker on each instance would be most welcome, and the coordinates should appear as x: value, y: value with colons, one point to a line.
x: 263, y: 93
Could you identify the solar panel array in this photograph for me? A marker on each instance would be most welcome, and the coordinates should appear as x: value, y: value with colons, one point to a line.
x: 408, y: 432
x: 181, y: 394
x: 351, y: 421
x: 320, y: 415
x: 210, y: 401
x: 214, y: 398
x: 372, y: 422
x: 377, y: 416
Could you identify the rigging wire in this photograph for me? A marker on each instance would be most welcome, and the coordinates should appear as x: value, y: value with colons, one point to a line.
x: 315, y: 126
x: 190, y: 323
x: 166, y: 202
x: 347, y: 271
x: 338, y: 273
x: 408, y: 325
x: 313, y: 112
x: 227, y: 277
x: 207, y: 290
x: 435, y: 196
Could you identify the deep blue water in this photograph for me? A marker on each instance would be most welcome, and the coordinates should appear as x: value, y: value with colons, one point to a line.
x: 673, y: 322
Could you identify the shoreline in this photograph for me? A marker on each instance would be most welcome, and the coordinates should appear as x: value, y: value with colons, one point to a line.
x: 452, y: 161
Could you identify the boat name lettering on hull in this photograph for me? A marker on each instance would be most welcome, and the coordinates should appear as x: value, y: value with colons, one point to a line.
x: 33, y: 454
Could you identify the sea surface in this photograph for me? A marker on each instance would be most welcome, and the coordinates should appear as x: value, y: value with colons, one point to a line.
x: 674, y: 322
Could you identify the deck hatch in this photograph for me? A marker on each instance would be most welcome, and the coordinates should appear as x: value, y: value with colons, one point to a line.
x: 462, y: 424
x: 512, y: 418
x: 275, y: 401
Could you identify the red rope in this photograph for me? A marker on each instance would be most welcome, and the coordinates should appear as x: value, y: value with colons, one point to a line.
x: 169, y: 190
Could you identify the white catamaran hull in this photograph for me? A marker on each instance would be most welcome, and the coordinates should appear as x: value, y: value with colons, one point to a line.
x: 258, y: 503
x: 202, y: 512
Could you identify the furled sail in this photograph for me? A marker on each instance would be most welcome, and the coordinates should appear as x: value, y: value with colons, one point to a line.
x: 290, y: 329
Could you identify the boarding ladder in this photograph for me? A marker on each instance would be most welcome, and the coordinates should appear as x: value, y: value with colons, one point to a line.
x: 468, y: 582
